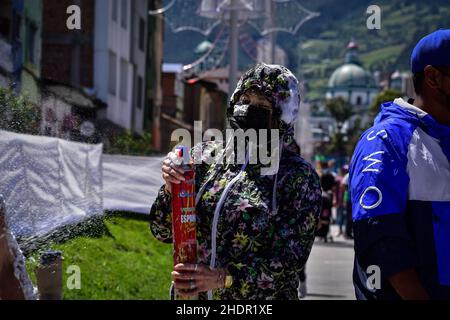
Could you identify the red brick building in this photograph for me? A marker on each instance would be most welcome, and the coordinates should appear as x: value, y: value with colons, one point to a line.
x: 68, y: 55
x: 185, y: 101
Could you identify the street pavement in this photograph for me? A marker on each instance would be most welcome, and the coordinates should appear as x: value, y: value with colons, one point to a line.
x: 329, y: 270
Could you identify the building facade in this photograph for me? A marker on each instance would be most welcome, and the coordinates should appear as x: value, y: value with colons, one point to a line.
x: 68, y: 54
x: 153, y: 87
x: 121, y: 53
x: 30, y: 30
x: 9, y: 39
x: 105, y: 61
x: 20, y: 46
x: 114, y: 61
x: 403, y: 82
x: 68, y: 101
x: 139, y: 39
x: 188, y: 100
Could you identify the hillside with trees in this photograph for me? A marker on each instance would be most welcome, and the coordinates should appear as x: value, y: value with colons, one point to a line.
x: 319, y: 46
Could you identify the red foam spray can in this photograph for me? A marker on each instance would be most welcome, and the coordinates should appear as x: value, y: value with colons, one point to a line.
x: 184, y: 218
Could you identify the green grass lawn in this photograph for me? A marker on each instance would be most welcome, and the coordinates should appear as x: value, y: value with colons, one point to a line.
x: 124, y: 262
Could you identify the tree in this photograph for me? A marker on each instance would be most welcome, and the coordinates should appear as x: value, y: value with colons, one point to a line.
x: 341, y: 110
x: 353, y: 134
x: 18, y: 113
x: 384, y: 96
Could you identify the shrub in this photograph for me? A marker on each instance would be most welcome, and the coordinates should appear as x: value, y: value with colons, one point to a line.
x: 18, y: 113
x: 131, y: 144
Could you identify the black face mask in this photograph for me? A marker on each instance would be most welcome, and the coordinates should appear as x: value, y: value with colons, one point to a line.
x: 251, y: 117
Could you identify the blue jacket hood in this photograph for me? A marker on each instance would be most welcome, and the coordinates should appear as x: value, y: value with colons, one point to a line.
x: 401, y: 111
x: 391, y: 110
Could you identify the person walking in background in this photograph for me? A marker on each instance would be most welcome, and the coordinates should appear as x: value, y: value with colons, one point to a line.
x: 339, y: 202
x: 347, y: 200
x: 331, y: 165
x: 400, y: 187
x: 327, y: 182
x: 265, y: 224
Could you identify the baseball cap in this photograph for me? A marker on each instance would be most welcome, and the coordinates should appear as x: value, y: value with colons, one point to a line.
x: 433, y: 49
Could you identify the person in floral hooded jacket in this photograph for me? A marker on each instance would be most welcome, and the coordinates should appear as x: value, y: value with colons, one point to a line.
x: 254, y: 229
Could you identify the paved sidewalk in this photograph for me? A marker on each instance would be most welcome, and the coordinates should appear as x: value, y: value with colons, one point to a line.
x: 329, y: 270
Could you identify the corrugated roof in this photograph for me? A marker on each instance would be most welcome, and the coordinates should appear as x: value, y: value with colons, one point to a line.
x: 72, y: 96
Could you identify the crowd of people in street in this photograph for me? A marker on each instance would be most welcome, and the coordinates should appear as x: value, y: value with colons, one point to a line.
x: 336, y: 203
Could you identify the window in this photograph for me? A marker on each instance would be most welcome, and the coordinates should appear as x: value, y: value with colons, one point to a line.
x: 140, y: 90
x: 112, y: 73
x: 114, y: 10
x: 124, y: 13
x: 358, y: 101
x: 5, y: 19
x: 31, y: 42
x: 141, y: 34
x: 123, y: 80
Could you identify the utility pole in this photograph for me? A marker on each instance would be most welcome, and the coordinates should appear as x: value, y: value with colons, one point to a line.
x: 271, y: 36
x: 75, y: 65
x: 234, y: 18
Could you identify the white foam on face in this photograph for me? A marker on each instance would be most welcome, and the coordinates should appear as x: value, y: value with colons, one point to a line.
x: 290, y: 107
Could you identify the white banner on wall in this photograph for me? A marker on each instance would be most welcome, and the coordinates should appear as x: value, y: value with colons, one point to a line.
x: 131, y: 183
x: 48, y: 182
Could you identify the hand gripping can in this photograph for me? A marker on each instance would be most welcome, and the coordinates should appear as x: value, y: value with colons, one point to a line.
x: 184, y: 218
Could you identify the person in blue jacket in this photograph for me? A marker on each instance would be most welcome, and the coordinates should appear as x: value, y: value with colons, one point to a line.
x: 400, y: 187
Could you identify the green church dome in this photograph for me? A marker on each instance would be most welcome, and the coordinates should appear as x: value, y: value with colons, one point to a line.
x: 351, y: 75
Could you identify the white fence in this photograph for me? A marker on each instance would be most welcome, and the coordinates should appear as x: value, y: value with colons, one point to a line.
x: 48, y: 182
x: 131, y: 183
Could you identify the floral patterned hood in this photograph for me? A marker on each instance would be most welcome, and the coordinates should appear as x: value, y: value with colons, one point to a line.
x: 279, y: 86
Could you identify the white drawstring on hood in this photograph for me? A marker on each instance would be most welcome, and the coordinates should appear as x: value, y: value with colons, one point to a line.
x: 281, y: 88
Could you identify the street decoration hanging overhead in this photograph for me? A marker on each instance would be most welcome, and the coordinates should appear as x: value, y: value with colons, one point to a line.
x: 203, y: 16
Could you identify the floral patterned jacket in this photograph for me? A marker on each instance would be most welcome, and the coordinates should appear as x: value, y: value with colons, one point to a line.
x: 262, y: 248
x: 263, y: 252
